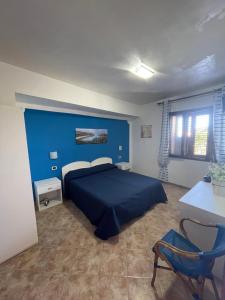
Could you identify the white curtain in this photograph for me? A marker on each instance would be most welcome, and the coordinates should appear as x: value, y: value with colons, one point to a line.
x: 163, y: 158
x: 219, y: 126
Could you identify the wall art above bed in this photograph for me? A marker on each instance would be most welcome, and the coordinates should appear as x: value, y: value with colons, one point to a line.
x: 91, y: 136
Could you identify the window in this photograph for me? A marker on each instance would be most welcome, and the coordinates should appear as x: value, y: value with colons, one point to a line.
x: 191, y: 134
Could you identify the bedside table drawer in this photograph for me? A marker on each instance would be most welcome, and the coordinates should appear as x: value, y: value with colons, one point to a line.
x: 47, y: 188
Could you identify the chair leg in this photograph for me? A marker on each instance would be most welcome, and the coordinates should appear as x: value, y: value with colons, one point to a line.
x: 215, y: 289
x: 196, y: 292
x: 191, y: 285
x: 201, y: 284
x: 155, y: 269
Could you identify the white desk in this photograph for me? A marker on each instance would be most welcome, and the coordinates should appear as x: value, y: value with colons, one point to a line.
x: 201, y: 204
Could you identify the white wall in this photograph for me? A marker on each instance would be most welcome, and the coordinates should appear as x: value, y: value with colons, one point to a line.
x: 18, y: 229
x: 145, y: 151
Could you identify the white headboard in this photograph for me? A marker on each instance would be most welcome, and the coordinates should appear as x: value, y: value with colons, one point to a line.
x: 85, y: 164
x: 101, y: 160
x: 75, y: 166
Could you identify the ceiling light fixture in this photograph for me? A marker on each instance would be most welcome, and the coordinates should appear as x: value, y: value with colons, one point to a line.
x: 143, y: 71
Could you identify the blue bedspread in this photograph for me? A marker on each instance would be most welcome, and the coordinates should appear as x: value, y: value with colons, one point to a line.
x: 110, y: 197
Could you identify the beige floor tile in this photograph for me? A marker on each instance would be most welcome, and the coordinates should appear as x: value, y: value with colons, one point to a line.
x: 140, y: 289
x: 113, y: 262
x: 56, y: 286
x: 86, y: 285
x: 138, y: 241
x: 88, y: 261
x: 118, y: 241
x: 113, y: 288
x: 139, y: 264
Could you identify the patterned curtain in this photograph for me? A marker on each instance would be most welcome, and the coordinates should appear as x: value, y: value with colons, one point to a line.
x: 163, y: 158
x: 219, y: 126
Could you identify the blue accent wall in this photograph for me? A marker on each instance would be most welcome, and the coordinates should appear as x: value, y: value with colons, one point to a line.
x: 51, y: 131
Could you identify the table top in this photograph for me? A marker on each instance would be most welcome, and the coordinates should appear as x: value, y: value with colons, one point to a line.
x: 48, y: 181
x: 122, y: 163
x: 203, y: 197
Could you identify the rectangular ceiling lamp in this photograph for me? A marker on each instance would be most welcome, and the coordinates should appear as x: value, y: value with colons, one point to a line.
x: 143, y: 71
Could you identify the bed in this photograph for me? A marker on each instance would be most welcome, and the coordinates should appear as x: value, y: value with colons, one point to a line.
x: 108, y: 196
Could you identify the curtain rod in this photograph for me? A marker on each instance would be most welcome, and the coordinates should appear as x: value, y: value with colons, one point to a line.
x: 191, y: 96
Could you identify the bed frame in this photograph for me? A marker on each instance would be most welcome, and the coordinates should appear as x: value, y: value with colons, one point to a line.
x: 85, y: 164
x: 101, y: 161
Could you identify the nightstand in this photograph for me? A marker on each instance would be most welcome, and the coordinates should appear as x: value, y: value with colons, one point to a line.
x: 48, y: 193
x: 126, y: 166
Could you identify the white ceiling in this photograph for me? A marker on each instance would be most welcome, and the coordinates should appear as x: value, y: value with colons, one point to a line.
x: 94, y: 43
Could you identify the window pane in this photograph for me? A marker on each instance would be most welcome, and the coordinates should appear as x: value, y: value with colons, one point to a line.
x: 201, y: 135
x: 188, y: 139
x: 176, y: 134
x: 189, y: 126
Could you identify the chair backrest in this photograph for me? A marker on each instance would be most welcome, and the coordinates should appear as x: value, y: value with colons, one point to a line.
x: 219, y: 244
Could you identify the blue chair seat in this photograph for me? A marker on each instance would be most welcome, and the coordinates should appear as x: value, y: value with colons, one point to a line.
x: 188, y: 267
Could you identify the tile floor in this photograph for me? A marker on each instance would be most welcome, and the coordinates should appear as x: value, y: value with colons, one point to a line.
x: 71, y: 263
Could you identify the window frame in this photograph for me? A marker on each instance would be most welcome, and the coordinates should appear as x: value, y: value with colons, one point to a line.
x: 185, y: 114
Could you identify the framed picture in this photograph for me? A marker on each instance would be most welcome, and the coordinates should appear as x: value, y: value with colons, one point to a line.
x: 146, y: 131
x: 91, y: 136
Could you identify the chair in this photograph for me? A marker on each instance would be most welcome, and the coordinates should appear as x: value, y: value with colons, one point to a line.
x: 188, y: 261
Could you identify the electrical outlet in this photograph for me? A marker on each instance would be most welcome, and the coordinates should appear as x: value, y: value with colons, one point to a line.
x: 120, y: 148
x: 54, y: 168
